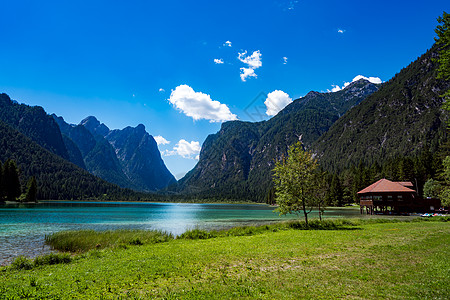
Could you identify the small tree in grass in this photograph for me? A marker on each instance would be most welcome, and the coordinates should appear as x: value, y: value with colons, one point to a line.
x: 295, y: 180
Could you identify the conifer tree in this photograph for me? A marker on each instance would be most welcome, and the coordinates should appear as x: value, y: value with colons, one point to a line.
x: 11, y: 182
x: 336, y: 192
x: 443, y: 40
x: 1, y: 183
x: 31, y: 190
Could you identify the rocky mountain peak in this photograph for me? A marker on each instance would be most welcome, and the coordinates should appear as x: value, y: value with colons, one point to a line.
x: 94, y: 126
x: 128, y: 157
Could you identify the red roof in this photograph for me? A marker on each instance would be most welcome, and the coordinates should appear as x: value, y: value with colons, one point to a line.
x: 386, y: 186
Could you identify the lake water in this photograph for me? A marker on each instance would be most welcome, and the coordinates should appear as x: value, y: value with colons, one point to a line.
x: 23, y: 227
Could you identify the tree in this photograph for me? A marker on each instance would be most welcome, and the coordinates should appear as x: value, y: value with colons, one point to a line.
x: 294, y: 180
x: 31, y: 190
x: 1, y: 183
x: 443, y: 40
x: 322, y: 191
x: 270, y: 197
x: 336, y: 192
x: 11, y: 182
x: 431, y: 188
x: 445, y: 192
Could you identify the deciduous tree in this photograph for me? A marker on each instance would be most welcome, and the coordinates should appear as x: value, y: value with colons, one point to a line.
x: 431, y: 188
x: 295, y: 182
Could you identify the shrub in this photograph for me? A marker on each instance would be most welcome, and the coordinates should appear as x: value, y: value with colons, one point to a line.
x: 22, y: 263
x: 195, y: 234
x: 52, y: 259
x: 136, y: 241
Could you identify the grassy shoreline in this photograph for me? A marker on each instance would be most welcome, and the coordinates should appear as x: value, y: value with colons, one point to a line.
x: 80, y: 241
x: 369, y: 259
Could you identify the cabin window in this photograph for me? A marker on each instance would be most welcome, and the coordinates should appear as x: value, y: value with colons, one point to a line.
x: 377, y: 198
x: 389, y: 197
x: 400, y: 198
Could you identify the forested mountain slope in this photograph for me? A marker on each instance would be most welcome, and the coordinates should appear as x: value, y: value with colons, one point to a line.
x: 402, y: 118
x: 56, y: 177
x: 33, y: 122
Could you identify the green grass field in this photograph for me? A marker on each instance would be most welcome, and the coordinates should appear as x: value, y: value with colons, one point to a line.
x: 400, y: 260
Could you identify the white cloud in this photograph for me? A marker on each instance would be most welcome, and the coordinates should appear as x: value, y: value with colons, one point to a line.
x: 162, y: 90
x: 160, y: 140
x: 341, y: 30
x: 218, y: 61
x: 285, y: 59
x: 247, y: 72
x: 185, y: 149
x: 276, y: 101
x: 252, y: 61
x: 376, y: 80
x: 337, y: 88
x: 198, y: 105
x: 227, y: 44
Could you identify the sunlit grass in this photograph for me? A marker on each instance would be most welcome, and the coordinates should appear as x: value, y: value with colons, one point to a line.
x: 388, y: 260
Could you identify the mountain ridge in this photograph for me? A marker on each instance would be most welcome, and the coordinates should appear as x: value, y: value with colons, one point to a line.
x: 410, y: 101
x: 34, y: 122
x: 128, y: 157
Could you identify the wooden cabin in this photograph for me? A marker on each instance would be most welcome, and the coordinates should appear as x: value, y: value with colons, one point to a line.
x: 385, y: 196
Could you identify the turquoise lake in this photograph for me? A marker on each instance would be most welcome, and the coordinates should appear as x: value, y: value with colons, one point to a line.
x: 23, y: 227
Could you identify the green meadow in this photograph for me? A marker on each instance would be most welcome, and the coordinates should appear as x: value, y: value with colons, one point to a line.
x: 342, y: 259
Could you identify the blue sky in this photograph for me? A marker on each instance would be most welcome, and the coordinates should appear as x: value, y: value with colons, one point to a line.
x: 183, y: 67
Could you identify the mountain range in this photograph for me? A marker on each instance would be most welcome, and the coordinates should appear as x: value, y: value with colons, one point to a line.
x: 362, y: 124
x: 401, y: 119
x: 129, y: 157
x: 32, y: 138
x: 60, y: 155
